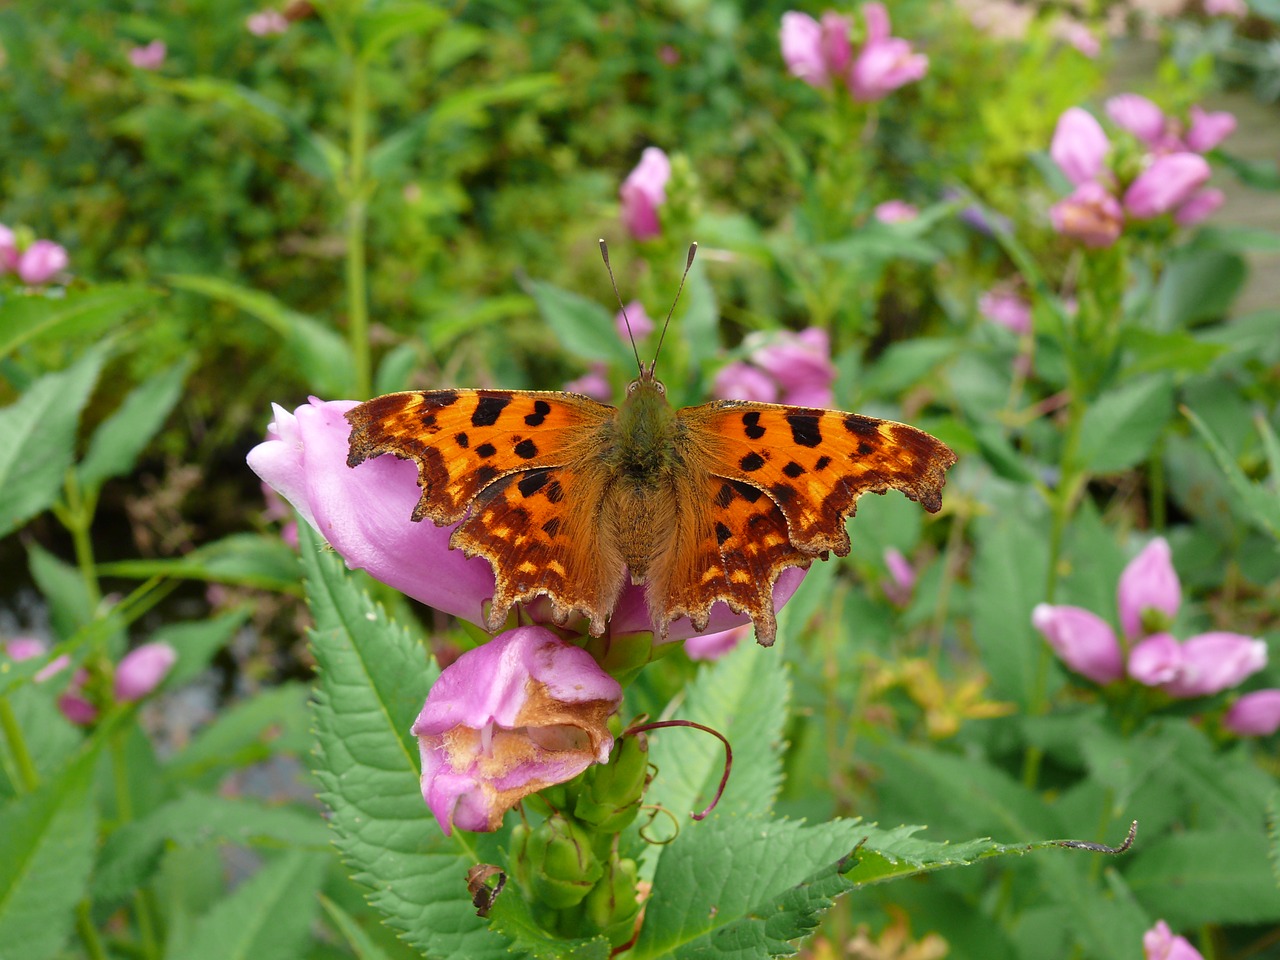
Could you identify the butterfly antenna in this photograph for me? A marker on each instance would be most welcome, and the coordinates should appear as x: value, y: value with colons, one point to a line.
x: 604, y: 252
x: 693, y: 250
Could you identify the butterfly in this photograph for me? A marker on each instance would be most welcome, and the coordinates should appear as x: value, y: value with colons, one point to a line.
x: 571, y: 499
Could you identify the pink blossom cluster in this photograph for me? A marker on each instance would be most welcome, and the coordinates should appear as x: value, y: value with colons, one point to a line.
x: 149, y: 56
x: 786, y: 367
x: 871, y: 64
x: 1157, y: 167
x: 643, y: 192
x: 1148, y: 597
x: 35, y: 262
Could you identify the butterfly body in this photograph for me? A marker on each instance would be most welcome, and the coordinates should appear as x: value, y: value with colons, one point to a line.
x: 569, y: 498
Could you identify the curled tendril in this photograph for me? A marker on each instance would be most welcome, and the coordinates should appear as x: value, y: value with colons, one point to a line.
x: 657, y: 808
x: 728, y: 753
x: 1102, y: 847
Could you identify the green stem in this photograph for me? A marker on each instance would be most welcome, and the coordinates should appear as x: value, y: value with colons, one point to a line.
x: 1155, y: 480
x: 88, y: 932
x: 78, y: 519
x: 143, y: 905
x: 357, y: 217
x: 27, y: 775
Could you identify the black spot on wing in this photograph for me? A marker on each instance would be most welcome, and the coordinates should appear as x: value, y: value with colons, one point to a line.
x: 804, y: 429
x: 462, y: 440
x: 723, y: 533
x: 551, y: 527
x: 724, y: 496
x: 486, y: 450
x: 531, y: 483
x: 485, y: 475
x: 793, y: 470
x: 540, y: 410
x: 861, y: 426
x: 747, y: 491
x: 488, y: 409
x: 866, y: 449
x: 428, y: 420
x: 443, y: 398
x: 751, y: 462
x: 555, y: 492
x: 822, y: 464
x: 783, y: 493
x: 751, y: 424
x: 526, y: 449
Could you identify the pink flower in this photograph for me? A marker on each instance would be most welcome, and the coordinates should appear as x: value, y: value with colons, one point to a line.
x: 267, y: 22
x: 713, y: 646
x: 1255, y: 714
x: 1079, y: 146
x: 1236, y: 9
x: 1202, y: 205
x: 643, y: 192
x: 641, y: 323
x: 1203, y: 665
x: 594, y: 384
x: 895, y: 211
x: 23, y: 648
x: 523, y: 712
x: 141, y: 670
x: 1156, y: 660
x: 1079, y: 36
x: 741, y: 381
x: 902, y: 577
x: 883, y: 66
x: 1159, y: 943
x: 41, y: 262
x: 1090, y: 214
x: 1083, y: 640
x: 1169, y: 182
x: 8, y: 250
x: 150, y: 57
x: 1138, y: 115
x: 800, y: 364
x: 1007, y: 310
x: 1149, y: 584
x: 816, y: 52
x: 77, y: 709
x: 52, y: 668
x: 1207, y: 130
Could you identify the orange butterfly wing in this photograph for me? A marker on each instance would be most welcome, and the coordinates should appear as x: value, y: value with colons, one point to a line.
x: 520, y: 469
x: 780, y: 484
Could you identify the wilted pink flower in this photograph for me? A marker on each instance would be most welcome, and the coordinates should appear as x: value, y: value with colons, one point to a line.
x: 895, y: 211
x: 41, y: 262
x: 1202, y: 205
x: 1170, y: 181
x: 1082, y: 640
x: 643, y: 192
x: 713, y: 646
x: 1006, y: 309
x: 141, y: 670
x: 1148, y: 583
x: 1207, y: 130
x: 902, y: 577
x: 594, y: 383
x: 523, y: 712
x: 149, y: 57
x: 883, y: 66
x: 1159, y: 943
x: 1203, y: 665
x: 1237, y: 9
x: 641, y: 323
x: 1090, y: 214
x: 1079, y: 146
x: 1138, y: 115
x: 267, y: 22
x: 1255, y: 714
x: 800, y: 364
x: 741, y: 381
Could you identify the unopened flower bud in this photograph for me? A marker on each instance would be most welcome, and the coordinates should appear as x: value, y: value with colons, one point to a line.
x: 562, y: 866
x: 140, y: 671
x: 610, y: 794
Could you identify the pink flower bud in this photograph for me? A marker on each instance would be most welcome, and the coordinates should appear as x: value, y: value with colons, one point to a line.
x: 149, y: 57
x: 1007, y: 310
x: 902, y: 577
x: 41, y: 261
x: 1138, y: 115
x: 641, y: 324
x: 1083, y: 640
x: 801, y: 39
x: 77, y: 709
x: 594, y: 383
x: 883, y: 66
x: 1255, y: 714
x: 1091, y: 215
x: 1079, y: 36
x: 895, y: 211
x: 1166, y: 184
x: 1156, y: 661
x: 1213, y: 662
x: 141, y: 670
x: 1148, y: 582
x: 643, y: 192
x: 1201, y: 206
x: 1209, y: 129
x: 265, y: 23
x: 1079, y: 146
x: 52, y: 668
x: 522, y: 712
x: 1159, y: 943
x: 713, y: 646
x: 741, y: 381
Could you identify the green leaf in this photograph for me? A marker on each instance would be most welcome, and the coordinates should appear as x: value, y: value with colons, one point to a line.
x: 360, y: 943
x: 511, y: 916
x: 26, y: 319
x: 46, y: 852
x: 583, y: 327
x: 1178, y: 351
x: 243, y: 559
x: 64, y: 590
x: 372, y: 682
x: 269, y: 915
x: 322, y: 355
x: 1259, y: 504
x: 1120, y: 428
x: 1200, y: 877
x: 1199, y: 283
x: 122, y: 437
x: 197, y: 643
x: 906, y: 364
x: 383, y: 25
x: 37, y: 439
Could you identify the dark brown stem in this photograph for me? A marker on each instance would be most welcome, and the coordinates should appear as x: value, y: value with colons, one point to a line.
x: 728, y: 753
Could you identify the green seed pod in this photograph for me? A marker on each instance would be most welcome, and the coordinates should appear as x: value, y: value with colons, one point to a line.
x: 611, y: 907
x: 563, y: 866
x: 610, y: 795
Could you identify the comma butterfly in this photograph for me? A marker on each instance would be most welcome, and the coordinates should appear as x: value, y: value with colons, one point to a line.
x: 566, y: 497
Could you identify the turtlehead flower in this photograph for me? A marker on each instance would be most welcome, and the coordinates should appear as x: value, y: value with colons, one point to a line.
x: 1082, y: 640
x: 1090, y: 214
x: 1255, y: 714
x: 1079, y: 146
x: 713, y: 646
x: 523, y: 712
x: 23, y: 648
x: 800, y: 364
x: 1207, y: 130
x: 41, y: 262
x: 885, y: 65
x: 594, y: 383
x: 643, y: 192
x: 902, y: 577
x: 141, y: 670
x: 1079, y: 36
x: 1138, y: 115
x: 816, y: 52
x: 741, y: 381
x: 72, y: 703
x: 1166, y: 184
x: 266, y: 23
x: 641, y: 323
x: 1006, y: 309
x: 1203, y: 665
x: 820, y: 53
x: 1202, y: 205
x: 1159, y: 943
x: 895, y: 211
x: 1149, y: 590
x: 149, y: 57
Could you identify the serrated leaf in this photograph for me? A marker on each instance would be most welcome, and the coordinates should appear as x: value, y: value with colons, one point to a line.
x: 26, y: 319
x: 46, y: 853
x: 1120, y: 427
x: 37, y: 439
x: 511, y: 916
x: 583, y: 327
x: 1219, y: 876
x: 122, y: 437
x: 269, y: 915
x: 322, y: 355
x: 372, y: 682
